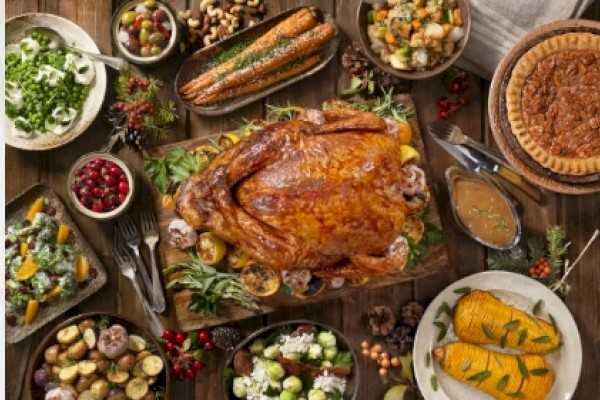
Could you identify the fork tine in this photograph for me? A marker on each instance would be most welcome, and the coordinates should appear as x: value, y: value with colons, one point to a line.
x: 127, y: 226
x: 149, y: 222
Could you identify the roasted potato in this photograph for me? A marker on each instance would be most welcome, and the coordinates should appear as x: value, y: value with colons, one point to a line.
x: 117, y: 376
x: 126, y: 361
x: 84, y: 383
x: 68, y: 374
x: 68, y: 335
x: 136, y: 343
x: 136, y: 388
x: 87, y: 367
x: 55, y: 371
x: 90, y: 338
x: 87, y: 395
x: 152, y: 365
x: 142, y: 354
x: 96, y: 355
x: 77, y: 350
x: 85, y: 324
x: 102, y: 366
x: 63, y: 359
x: 100, y: 388
x: 51, y: 354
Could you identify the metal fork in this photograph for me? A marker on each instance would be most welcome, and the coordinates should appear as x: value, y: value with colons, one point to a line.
x: 132, y: 239
x: 127, y: 265
x: 150, y: 234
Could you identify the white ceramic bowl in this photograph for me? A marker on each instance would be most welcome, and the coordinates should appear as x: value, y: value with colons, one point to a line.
x: 72, y: 34
x: 101, y: 215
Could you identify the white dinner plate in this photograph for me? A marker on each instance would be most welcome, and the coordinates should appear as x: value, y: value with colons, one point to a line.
x: 73, y: 35
x: 513, y: 289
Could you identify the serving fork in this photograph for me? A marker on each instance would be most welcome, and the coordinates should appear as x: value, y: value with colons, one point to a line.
x: 133, y: 240
x: 127, y: 265
x: 150, y: 234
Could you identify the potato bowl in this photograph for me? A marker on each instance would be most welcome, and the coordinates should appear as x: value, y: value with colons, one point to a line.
x: 153, y: 345
x: 352, y: 381
x: 362, y: 24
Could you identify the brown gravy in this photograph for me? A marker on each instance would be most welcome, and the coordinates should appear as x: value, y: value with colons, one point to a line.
x: 484, y: 211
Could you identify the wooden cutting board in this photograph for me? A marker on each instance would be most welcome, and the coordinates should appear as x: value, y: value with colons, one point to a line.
x: 436, y: 260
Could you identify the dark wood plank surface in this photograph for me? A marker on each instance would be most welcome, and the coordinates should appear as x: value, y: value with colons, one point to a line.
x: 579, y: 215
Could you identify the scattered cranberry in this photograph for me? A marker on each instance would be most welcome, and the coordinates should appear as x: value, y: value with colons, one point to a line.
x: 168, y: 335
x: 210, y: 346
x: 455, y: 88
x: 204, y: 335
x: 180, y: 338
x: 93, y: 273
x: 444, y: 114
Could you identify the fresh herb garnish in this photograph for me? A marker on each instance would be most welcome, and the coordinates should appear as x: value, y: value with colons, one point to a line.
x: 522, y: 368
x: 487, y: 332
x: 541, y: 339
x: 512, y: 324
x: 537, y: 308
x: 539, y: 371
x: 501, y: 385
x: 443, y: 330
x: 553, y: 322
x: 466, y: 365
x: 175, y: 167
x: 443, y: 309
x: 343, y: 359
x: 515, y: 394
x: 427, y: 359
x: 434, y: 383
x: 480, y: 376
x: 503, y: 341
x: 462, y: 290
x: 522, y: 337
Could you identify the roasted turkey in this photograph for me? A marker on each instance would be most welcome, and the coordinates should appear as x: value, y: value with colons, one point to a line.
x: 327, y: 191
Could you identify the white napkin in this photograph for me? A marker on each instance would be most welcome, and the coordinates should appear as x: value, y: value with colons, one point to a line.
x: 496, y: 25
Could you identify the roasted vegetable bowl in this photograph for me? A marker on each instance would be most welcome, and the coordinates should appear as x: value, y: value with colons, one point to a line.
x: 292, y: 360
x: 98, y: 356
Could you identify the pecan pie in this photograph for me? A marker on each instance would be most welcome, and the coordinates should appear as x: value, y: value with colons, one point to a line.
x: 553, y: 102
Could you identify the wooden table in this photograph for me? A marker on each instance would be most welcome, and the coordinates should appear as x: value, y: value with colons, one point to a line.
x: 579, y: 215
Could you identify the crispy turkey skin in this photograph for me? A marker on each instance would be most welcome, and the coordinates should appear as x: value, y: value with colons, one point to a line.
x: 312, y: 193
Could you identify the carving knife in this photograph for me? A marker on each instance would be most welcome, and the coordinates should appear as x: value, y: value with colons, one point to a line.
x: 477, y: 162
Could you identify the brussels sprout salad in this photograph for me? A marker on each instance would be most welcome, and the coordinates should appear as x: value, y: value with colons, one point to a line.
x: 41, y: 263
x: 302, y: 364
x: 45, y: 86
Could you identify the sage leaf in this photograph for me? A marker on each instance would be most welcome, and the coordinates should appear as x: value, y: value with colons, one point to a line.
x: 503, y: 341
x: 480, y: 376
x: 522, y: 337
x: 434, y: 383
x: 538, y: 371
x: 553, y: 322
x: 427, y: 359
x: 512, y: 324
x: 542, y: 339
x: 502, y: 382
x: 522, y: 368
x: 487, y: 332
x: 443, y: 330
x: 499, y: 363
x: 537, y: 308
x: 462, y: 290
x: 515, y: 394
x: 443, y: 309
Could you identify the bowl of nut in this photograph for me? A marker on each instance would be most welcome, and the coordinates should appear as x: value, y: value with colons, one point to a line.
x: 145, y: 32
x: 101, y: 185
x: 99, y: 356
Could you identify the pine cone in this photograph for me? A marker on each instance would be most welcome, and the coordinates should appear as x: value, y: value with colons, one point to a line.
x: 412, y: 314
x: 133, y: 138
x: 226, y: 337
x: 381, y: 320
x: 355, y: 60
x: 400, y: 339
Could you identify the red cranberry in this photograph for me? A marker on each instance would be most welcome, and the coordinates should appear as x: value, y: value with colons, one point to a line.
x: 168, y: 335
x: 180, y: 338
x: 121, y: 198
x: 209, y: 346
x: 443, y: 103
x: 109, y: 180
x: 455, y: 88
x: 98, y: 207
x: 122, y: 178
x: 198, y: 366
x: 204, y: 335
x: 123, y: 188
x: 97, y: 192
x: 99, y: 161
x: 444, y: 114
x: 114, y: 171
x: 75, y: 187
x: 94, y: 174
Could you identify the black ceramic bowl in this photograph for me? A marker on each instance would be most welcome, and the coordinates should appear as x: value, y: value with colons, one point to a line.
x: 154, y: 345
x: 353, y: 380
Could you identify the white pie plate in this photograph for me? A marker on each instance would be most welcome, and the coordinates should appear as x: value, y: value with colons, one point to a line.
x: 73, y: 35
x: 518, y: 291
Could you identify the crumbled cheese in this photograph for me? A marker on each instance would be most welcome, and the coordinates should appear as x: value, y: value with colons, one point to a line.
x: 329, y: 382
x: 296, y: 345
x: 258, y: 382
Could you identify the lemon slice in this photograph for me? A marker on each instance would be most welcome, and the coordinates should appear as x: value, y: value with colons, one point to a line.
x: 210, y: 248
x: 404, y: 132
x: 259, y: 280
x: 409, y: 154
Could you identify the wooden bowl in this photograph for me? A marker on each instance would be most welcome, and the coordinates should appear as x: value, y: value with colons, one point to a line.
x: 353, y: 380
x: 507, y: 141
x: 361, y: 21
x: 132, y: 328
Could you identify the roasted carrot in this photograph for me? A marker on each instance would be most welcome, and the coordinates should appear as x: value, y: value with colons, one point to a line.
x: 380, y: 15
x: 292, y: 26
x: 288, y: 71
x: 263, y: 63
x: 389, y: 37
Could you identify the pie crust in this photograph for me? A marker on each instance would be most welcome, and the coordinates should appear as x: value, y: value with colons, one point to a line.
x: 553, y: 103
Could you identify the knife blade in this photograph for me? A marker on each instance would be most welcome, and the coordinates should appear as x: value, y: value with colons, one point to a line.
x: 478, y: 162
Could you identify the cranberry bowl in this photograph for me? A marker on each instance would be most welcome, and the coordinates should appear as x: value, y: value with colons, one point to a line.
x: 101, y: 185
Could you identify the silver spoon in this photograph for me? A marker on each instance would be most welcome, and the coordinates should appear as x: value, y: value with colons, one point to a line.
x: 58, y: 41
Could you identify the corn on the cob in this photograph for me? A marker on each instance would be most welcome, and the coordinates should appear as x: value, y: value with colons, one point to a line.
x: 480, y: 318
x: 504, y: 376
